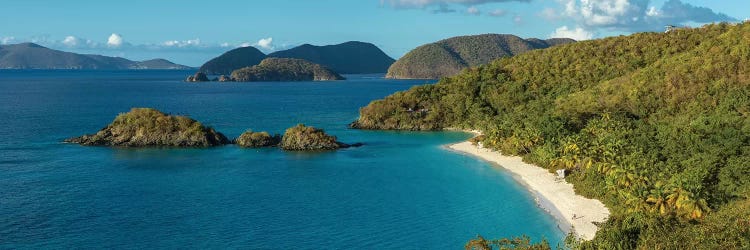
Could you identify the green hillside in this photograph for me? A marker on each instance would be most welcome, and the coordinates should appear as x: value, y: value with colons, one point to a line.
x: 346, y: 58
x: 232, y: 60
x: 448, y: 57
x: 656, y: 126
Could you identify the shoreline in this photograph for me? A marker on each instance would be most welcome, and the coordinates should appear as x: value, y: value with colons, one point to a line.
x: 558, y: 198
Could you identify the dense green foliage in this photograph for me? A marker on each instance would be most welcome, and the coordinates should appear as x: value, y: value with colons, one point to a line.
x: 656, y: 126
x: 346, y: 58
x: 250, y: 139
x: 448, y: 57
x: 518, y: 243
x: 143, y: 127
x: 232, y: 60
x: 304, y: 138
x: 285, y: 69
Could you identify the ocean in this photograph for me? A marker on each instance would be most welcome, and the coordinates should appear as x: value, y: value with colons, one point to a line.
x: 401, y: 190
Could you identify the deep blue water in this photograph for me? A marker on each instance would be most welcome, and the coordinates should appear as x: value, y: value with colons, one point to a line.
x: 400, y: 191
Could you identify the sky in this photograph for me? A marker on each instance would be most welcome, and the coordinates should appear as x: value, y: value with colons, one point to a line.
x: 192, y: 32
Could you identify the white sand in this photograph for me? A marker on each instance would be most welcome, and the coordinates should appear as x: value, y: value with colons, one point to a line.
x: 555, y: 196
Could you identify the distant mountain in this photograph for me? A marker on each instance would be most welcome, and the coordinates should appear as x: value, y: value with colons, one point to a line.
x: 285, y: 69
x: 34, y: 56
x: 232, y: 60
x: 346, y: 58
x: 158, y: 64
x: 448, y: 57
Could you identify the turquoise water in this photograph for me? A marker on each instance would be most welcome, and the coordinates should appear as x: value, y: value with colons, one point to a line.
x: 401, y: 190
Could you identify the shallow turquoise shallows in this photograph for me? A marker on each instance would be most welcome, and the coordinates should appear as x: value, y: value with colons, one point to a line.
x: 402, y: 190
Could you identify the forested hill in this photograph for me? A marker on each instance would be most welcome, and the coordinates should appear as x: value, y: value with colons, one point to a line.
x: 448, y: 57
x: 655, y: 125
x: 231, y: 60
x: 346, y: 58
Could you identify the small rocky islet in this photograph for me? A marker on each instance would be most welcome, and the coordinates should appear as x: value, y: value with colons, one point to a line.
x: 251, y: 139
x: 148, y: 127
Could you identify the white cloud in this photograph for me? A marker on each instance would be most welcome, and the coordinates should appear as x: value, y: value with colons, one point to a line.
x: 7, y: 40
x: 473, y: 11
x: 517, y: 19
x: 70, y: 41
x: 114, y: 40
x: 498, y: 13
x: 578, y: 33
x: 245, y: 44
x: 265, y: 43
x: 181, y: 44
x: 632, y: 15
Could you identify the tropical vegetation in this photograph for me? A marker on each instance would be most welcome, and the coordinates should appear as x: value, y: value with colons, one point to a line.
x: 143, y: 127
x: 285, y: 69
x: 304, y: 138
x: 656, y: 126
x: 250, y: 139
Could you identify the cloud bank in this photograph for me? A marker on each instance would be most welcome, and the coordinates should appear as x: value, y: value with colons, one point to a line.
x: 578, y: 33
x: 592, y: 16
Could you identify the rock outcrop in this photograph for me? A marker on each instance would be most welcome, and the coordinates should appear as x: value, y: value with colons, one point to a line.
x: 198, y: 77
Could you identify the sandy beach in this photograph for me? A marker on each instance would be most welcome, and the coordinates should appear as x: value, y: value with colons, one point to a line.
x: 553, y: 195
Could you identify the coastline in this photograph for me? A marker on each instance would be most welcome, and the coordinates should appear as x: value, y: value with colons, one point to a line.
x: 556, y: 197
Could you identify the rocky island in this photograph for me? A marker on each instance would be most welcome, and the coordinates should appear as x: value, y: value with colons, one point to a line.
x: 250, y: 139
x: 197, y: 77
x: 304, y: 138
x: 147, y: 127
x: 285, y: 69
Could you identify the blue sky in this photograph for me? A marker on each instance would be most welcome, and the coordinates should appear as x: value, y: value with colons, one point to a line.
x: 191, y: 32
